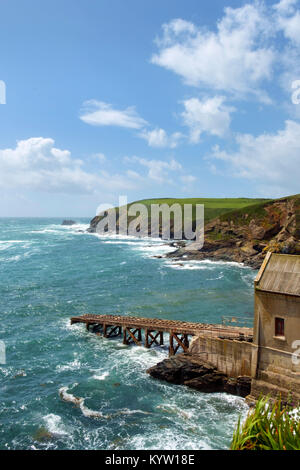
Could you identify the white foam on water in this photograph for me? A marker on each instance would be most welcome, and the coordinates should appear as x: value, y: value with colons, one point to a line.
x: 101, y: 376
x: 151, y: 250
x: 74, y: 365
x: 164, y: 439
x: 65, y: 396
x: 200, y: 265
x: 88, y: 413
x: 55, y: 425
x: 64, y: 230
x: 126, y: 411
x: 79, y: 401
x: 7, y: 244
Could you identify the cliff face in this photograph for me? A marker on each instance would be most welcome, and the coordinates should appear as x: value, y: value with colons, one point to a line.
x: 246, y: 235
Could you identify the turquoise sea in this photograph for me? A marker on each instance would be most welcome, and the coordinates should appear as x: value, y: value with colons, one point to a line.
x: 49, y: 273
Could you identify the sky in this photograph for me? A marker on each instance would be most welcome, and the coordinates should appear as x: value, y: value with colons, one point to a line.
x: 108, y: 98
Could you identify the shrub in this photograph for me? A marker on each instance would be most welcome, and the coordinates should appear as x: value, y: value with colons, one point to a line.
x: 269, y: 426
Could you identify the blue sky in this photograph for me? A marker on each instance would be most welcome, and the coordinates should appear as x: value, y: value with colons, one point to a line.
x: 146, y: 99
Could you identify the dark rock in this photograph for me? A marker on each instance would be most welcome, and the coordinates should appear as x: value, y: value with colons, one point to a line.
x: 187, y: 369
x: 240, y: 386
x: 243, y: 386
x: 208, y: 383
x: 68, y: 222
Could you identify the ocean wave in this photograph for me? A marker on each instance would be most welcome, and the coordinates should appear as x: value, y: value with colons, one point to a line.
x: 55, y: 425
x: 165, y: 438
x: 126, y: 411
x: 74, y: 365
x: 150, y: 251
x: 101, y: 376
x: 57, y: 229
x: 199, y: 265
x: 79, y: 402
x: 7, y: 244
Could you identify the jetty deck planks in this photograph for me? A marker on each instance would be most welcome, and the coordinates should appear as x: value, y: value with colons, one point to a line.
x: 111, y: 326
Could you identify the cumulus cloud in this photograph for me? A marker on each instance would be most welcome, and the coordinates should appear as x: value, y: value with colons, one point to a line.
x: 209, y: 115
x: 157, y: 170
x: 159, y: 138
x: 288, y: 20
x: 238, y: 56
x: 285, y: 6
x: 235, y: 58
x: 99, y: 156
x: 98, y: 113
x: 271, y: 160
x: 188, y: 179
x: 36, y: 164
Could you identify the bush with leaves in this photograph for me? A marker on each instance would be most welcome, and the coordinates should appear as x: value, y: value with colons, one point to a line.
x: 269, y: 426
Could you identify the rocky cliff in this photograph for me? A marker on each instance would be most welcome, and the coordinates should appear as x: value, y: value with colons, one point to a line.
x: 246, y: 235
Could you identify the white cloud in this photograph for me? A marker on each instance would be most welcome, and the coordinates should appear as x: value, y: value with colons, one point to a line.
x: 188, y: 179
x: 288, y: 20
x: 37, y: 165
x: 98, y: 113
x: 234, y: 58
x: 100, y: 157
x: 159, y: 138
x: 158, y: 170
x: 285, y: 6
x: 271, y: 160
x: 209, y: 115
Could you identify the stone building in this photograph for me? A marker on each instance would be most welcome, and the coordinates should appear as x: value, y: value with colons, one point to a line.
x: 275, y: 365
x: 270, y: 353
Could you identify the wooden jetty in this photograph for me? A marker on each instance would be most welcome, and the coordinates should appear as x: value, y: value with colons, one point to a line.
x: 180, y: 332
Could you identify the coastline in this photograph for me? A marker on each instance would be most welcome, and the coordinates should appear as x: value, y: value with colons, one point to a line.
x: 215, y: 252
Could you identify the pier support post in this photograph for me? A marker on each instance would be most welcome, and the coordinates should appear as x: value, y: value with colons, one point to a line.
x: 140, y: 334
x: 125, y: 335
x: 182, y: 341
x: 147, y: 339
x: 171, y: 346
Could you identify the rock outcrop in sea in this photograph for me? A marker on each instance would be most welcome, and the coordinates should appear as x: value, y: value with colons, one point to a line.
x: 68, y: 222
x: 187, y: 369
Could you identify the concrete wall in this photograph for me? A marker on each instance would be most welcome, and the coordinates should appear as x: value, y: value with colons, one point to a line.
x: 233, y: 358
x: 274, y: 369
x: 267, y: 307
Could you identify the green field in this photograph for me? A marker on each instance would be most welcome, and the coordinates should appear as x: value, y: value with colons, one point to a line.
x: 213, y: 207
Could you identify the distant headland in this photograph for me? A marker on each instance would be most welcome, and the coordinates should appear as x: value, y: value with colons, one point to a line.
x: 238, y: 229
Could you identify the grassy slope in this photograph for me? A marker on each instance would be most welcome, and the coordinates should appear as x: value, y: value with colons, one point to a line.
x: 214, y: 207
x: 257, y: 211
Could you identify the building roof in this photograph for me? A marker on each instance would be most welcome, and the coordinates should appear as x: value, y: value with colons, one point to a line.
x: 279, y: 274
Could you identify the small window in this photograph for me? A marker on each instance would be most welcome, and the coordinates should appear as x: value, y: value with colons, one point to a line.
x: 279, y: 327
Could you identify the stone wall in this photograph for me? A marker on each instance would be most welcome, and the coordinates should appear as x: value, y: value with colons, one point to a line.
x: 232, y: 357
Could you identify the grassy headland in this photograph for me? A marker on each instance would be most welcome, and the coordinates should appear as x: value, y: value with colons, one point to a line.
x: 237, y: 229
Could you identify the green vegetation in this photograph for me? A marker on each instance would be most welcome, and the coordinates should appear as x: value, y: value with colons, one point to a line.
x: 257, y: 210
x: 214, y: 207
x: 269, y: 426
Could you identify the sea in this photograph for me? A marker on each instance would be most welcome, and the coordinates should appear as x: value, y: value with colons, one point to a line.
x: 62, y: 387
